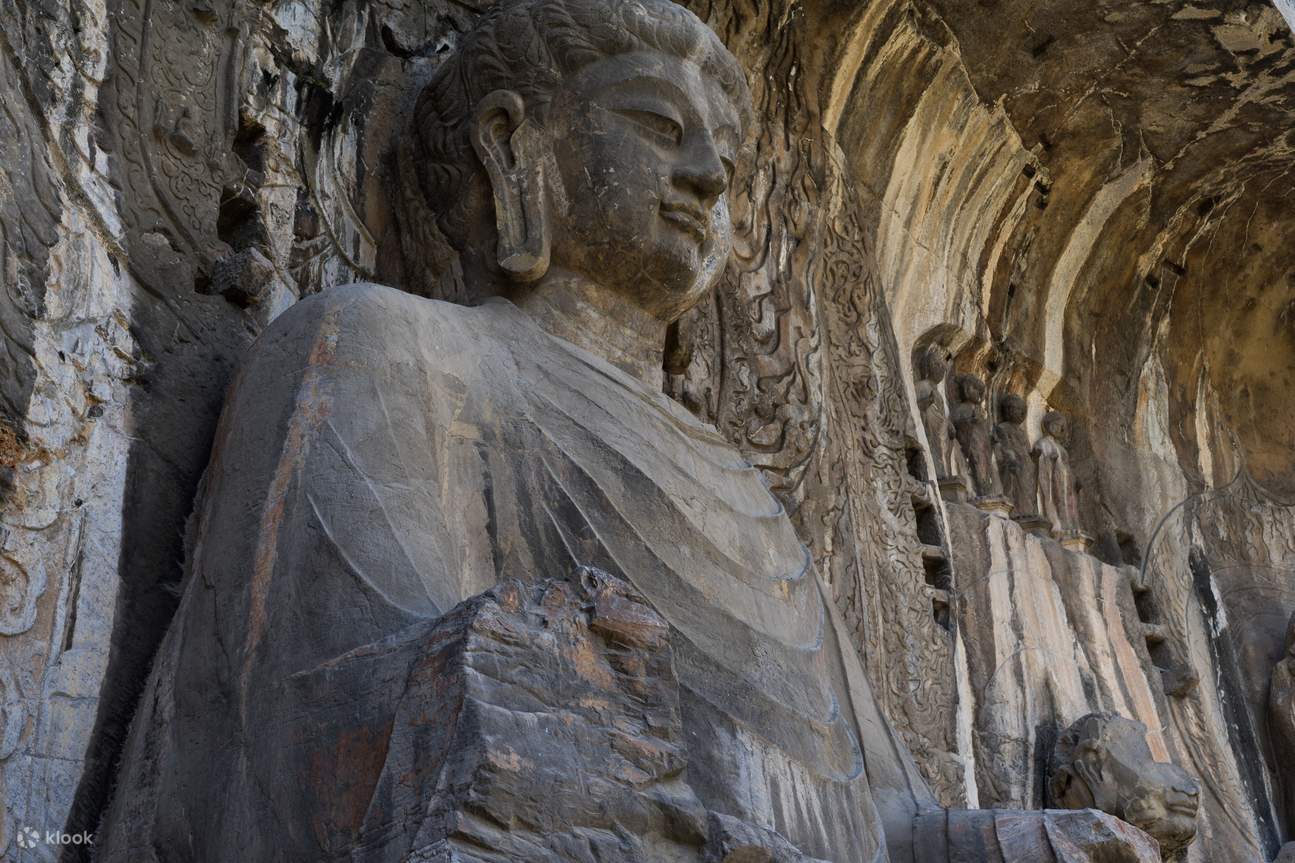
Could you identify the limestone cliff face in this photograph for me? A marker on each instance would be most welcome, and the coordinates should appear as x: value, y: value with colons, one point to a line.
x: 1084, y: 206
x: 1085, y: 203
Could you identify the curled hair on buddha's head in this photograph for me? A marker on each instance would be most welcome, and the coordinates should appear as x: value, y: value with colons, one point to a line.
x: 530, y: 47
x: 1081, y: 741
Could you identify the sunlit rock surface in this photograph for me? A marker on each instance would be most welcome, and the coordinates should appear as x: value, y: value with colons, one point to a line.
x: 1085, y: 204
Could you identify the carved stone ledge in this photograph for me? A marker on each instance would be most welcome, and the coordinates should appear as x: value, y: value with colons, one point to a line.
x: 244, y: 278
x: 1179, y: 681
x: 995, y: 505
x: 1076, y: 540
x: 934, y: 553
x: 1035, y: 524
x: 954, y: 489
x: 1154, y: 633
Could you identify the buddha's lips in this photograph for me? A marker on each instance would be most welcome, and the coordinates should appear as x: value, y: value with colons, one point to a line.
x: 690, y: 219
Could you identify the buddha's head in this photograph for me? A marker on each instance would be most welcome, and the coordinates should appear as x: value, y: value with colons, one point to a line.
x: 1103, y: 762
x: 587, y: 137
x: 1011, y: 408
x: 971, y: 388
x: 933, y: 364
x: 1054, y: 424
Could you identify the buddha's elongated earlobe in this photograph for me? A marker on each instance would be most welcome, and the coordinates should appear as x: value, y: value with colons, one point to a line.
x: 678, y: 348
x: 511, y: 152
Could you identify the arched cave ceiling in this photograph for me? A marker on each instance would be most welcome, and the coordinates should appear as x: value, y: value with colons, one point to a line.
x: 1132, y: 168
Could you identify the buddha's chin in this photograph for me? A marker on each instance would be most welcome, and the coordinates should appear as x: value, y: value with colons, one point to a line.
x: 677, y: 260
x: 674, y: 282
x: 1172, y: 831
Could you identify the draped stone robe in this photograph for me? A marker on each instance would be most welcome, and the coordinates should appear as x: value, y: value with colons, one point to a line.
x: 1281, y: 723
x: 1058, y: 500
x: 381, y: 458
x: 939, y: 432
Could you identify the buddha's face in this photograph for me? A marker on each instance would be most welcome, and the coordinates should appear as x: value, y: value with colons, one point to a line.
x: 1114, y: 771
x: 1013, y: 409
x: 643, y: 145
x: 1055, y: 425
x: 1157, y: 797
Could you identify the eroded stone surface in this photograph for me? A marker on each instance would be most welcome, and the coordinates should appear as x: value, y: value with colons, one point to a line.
x: 1281, y: 718
x: 537, y: 721
x: 1102, y: 761
x: 1020, y: 182
x: 990, y: 836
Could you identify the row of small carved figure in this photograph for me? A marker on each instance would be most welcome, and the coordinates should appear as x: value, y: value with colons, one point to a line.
x: 1003, y: 471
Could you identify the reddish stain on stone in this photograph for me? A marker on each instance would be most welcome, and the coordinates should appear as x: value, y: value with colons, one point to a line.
x: 344, y: 778
x: 312, y: 408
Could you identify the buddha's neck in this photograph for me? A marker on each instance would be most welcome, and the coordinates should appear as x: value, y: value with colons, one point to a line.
x: 598, y: 320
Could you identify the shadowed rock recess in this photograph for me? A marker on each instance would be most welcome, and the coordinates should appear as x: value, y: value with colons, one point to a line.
x: 620, y: 430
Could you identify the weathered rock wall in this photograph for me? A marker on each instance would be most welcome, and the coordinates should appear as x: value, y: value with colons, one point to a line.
x: 1085, y: 202
x: 1054, y: 635
x: 1057, y: 203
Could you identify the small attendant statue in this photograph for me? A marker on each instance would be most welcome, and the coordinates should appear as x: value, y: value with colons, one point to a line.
x: 932, y: 366
x: 974, y: 435
x: 1058, y: 491
x: 1016, y: 469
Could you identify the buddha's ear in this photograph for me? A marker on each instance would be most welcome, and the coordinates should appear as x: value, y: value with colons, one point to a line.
x: 512, y: 153
x: 1090, y: 766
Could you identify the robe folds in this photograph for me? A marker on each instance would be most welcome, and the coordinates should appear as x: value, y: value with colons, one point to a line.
x: 383, y: 457
x: 1058, y: 500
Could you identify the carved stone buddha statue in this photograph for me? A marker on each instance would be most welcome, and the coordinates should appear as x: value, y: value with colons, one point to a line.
x: 383, y: 459
x: 1058, y: 489
x: 931, y: 367
x: 1102, y: 761
x: 1015, y: 461
x: 975, y: 437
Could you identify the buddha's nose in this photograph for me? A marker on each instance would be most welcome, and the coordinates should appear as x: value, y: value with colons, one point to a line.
x: 702, y: 171
x: 1185, y: 785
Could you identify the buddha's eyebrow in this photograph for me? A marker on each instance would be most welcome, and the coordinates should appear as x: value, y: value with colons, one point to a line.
x: 655, y: 87
x: 645, y: 84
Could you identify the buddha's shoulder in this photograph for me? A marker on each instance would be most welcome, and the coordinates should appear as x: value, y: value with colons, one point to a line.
x: 366, y: 318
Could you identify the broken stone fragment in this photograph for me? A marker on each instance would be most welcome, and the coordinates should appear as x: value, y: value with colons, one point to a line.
x: 569, y: 741
x: 243, y: 278
x: 1050, y: 836
x: 1179, y: 680
x: 1102, y: 761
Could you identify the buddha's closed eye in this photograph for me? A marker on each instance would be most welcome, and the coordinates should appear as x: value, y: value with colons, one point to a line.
x: 666, y: 130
